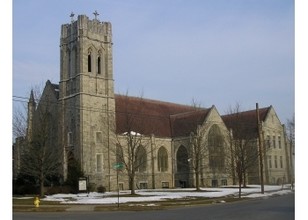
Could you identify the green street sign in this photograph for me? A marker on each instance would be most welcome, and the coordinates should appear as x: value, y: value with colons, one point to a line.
x: 118, y: 166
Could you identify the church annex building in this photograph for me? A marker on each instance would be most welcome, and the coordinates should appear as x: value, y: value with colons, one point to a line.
x: 116, y: 138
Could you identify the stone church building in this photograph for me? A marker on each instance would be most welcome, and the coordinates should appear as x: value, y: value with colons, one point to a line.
x: 113, y: 136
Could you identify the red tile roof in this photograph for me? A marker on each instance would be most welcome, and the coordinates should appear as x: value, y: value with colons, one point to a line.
x: 163, y: 119
x: 244, y: 124
x: 185, y: 123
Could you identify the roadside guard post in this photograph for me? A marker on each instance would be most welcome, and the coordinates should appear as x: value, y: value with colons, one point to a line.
x: 36, y: 202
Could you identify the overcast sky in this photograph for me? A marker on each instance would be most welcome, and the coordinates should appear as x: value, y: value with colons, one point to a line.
x: 217, y: 52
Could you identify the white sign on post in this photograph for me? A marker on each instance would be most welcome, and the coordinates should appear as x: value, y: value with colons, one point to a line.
x: 82, y: 183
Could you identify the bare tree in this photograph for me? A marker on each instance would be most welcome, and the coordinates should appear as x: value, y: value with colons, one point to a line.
x: 245, y: 156
x: 206, y: 144
x: 19, y: 122
x: 20, y: 127
x: 132, y: 155
x: 243, y: 147
x: 198, y: 152
x: 134, y: 145
x: 20, y: 118
x: 291, y: 136
x: 291, y: 132
x: 40, y: 156
x: 198, y: 145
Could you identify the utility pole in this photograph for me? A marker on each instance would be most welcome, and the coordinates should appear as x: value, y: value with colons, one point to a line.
x: 260, y: 148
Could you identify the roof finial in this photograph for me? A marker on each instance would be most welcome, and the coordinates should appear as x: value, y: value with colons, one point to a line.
x: 72, y: 16
x: 96, y: 14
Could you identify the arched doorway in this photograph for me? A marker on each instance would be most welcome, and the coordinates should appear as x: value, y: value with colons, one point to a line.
x: 182, y: 168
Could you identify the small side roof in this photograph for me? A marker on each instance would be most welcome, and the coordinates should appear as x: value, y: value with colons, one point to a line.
x: 245, y: 123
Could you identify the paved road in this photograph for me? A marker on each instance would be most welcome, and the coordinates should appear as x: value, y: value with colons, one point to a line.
x: 272, y: 208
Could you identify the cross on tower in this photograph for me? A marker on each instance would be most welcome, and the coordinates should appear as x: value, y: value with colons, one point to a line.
x: 72, y: 16
x: 96, y: 14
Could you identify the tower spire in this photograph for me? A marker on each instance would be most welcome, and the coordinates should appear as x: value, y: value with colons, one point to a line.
x: 31, y: 110
x: 31, y: 99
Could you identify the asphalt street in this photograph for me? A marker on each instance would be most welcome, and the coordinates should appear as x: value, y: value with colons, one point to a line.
x: 267, y: 208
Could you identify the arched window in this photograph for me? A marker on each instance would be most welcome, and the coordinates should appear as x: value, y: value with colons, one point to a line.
x: 89, y: 61
x: 216, y: 148
x: 141, y: 159
x: 182, y: 160
x: 162, y: 159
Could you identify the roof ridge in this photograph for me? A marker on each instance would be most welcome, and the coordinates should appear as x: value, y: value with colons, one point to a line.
x: 247, y: 111
x: 156, y: 101
x: 190, y: 112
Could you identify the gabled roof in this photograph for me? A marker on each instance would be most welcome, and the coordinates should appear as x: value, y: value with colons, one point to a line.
x: 163, y: 119
x: 55, y: 90
x: 185, y: 123
x: 53, y: 87
x: 244, y: 124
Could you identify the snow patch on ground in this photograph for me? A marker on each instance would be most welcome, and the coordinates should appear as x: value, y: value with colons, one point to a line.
x: 252, y: 191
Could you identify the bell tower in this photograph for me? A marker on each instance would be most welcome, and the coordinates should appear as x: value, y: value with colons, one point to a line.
x: 87, y: 96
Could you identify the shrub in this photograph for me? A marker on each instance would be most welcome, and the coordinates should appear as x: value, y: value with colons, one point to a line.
x: 91, y: 187
x: 101, y: 189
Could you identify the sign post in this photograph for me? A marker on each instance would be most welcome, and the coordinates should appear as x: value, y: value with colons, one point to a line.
x: 118, y: 167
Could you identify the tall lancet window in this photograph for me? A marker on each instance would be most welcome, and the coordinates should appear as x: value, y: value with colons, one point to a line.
x: 89, y: 61
x: 76, y: 61
x: 162, y: 159
x: 69, y: 64
x: 99, y: 64
x: 68, y: 52
x: 73, y: 59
